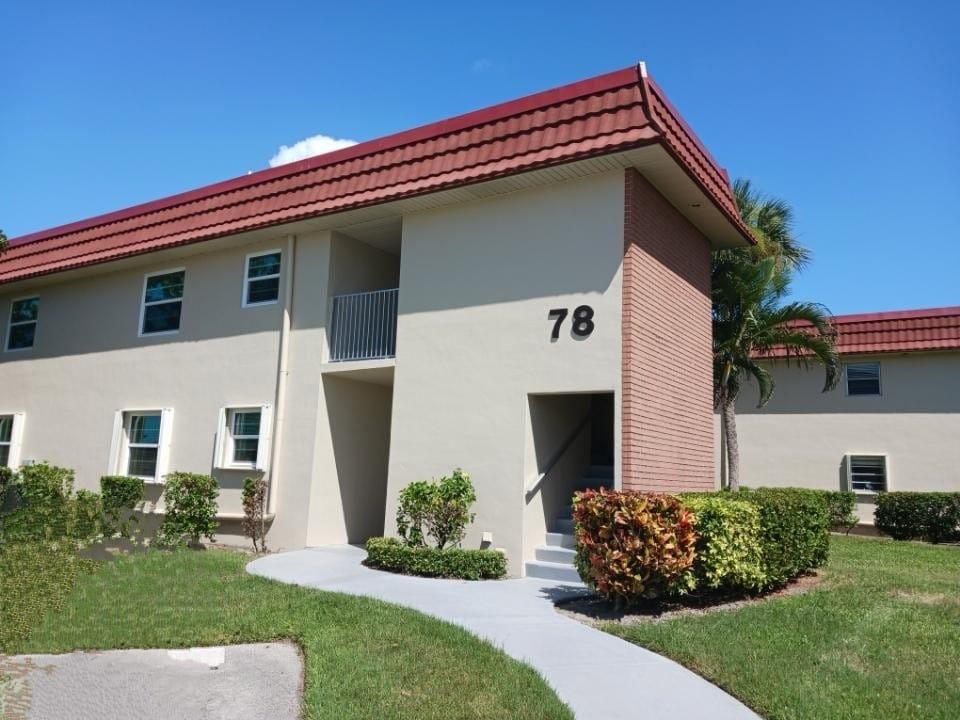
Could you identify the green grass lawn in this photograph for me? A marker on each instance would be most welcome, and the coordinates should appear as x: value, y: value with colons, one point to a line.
x: 364, y: 658
x: 879, y: 638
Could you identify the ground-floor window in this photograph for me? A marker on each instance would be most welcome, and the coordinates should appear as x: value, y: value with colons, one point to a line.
x: 142, y: 440
x: 867, y: 473
x: 243, y: 437
x: 6, y: 436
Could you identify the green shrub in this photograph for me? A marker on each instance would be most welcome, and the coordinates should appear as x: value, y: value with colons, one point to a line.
x: 46, y: 508
x: 36, y: 578
x: 632, y: 545
x: 729, y: 550
x: 393, y: 555
x: 794, y: 531
x: 413, y: 506
x: 120, y: 494
x: 930, y: 516
x: 190, y: 502
x: 440, y: 508
x: 840, y: 508
x: 254, y: 505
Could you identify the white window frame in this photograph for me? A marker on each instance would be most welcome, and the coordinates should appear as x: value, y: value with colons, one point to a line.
x: 223, y: 452
x: 11, y: 323
x: 144, y: 303
x: 848, y: 461
x: 16, y: 438
x: 120, y: 446
x: 247, y: 279
x: 846, y: 379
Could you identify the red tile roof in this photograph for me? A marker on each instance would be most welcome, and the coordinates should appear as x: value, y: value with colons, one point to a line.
x: 899, y: 331
x: 928, y: 329
x: 609, y: 113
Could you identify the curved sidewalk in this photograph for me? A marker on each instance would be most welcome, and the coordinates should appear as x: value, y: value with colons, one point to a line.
x: 596, y: 674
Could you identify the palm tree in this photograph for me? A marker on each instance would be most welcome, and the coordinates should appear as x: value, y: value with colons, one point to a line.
x: 750, y: 319
x: 3, y: 242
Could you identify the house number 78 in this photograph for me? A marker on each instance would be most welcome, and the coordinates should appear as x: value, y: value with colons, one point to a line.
x: 582, y: 321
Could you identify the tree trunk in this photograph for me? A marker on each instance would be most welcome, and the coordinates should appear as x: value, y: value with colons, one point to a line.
x: 733, y: 448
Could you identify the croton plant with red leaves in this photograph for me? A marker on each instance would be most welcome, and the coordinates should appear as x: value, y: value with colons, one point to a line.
x: 631, y: 545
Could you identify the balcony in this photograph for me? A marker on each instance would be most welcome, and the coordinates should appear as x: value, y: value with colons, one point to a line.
x: 364, y: 326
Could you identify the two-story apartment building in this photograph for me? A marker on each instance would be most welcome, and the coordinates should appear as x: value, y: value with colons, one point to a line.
x: 893, y: 423
x: 521, y: 291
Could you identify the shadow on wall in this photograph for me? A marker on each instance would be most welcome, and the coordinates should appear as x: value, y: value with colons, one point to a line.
x: 359, y: 419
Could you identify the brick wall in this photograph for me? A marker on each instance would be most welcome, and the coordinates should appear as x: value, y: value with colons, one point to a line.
x: 667, y: 367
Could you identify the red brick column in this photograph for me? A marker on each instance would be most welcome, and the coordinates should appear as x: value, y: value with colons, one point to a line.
x: 667, y: 439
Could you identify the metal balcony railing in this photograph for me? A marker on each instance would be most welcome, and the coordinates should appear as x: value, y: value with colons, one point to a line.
x: 364, y: 326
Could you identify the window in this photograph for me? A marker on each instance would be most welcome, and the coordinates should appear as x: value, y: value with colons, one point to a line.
x: 141, y: 443
x: 23, y: 323
x: 162, y: 302
x: 261, y: 281
x: 11, y: 430
x: 867, y: 473
x: 863, y: 378
x: 243, y: 437
x: 6, y: 437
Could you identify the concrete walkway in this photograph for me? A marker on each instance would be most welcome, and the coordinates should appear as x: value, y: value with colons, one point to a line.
x: 254, y: 682
x: 596, y: 674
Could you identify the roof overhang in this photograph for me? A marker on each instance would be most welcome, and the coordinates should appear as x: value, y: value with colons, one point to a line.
x: 621, y: 119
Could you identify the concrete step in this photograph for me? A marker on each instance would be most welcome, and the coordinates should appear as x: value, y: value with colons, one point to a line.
x: 548, y: 553
x: 561, y: 572
x: 563, y: 525
x: 563, y: 540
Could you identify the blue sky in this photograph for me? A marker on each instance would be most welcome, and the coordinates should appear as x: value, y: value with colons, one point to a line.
x: 849, y: 110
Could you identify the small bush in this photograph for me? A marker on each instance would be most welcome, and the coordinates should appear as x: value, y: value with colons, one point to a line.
x: 36, y: 578
x: 393, y: 555
x: 254, y: 505
x: 440, y: 508
x: 840, y: 508
x: 729, y: 550
x: 120, y: 495
x: 632, y: 545
x: 794, y: 530
x: 930, y: 516
x: 190, y: 502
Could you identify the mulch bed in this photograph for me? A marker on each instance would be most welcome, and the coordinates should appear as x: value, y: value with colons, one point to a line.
x: 595, y: 611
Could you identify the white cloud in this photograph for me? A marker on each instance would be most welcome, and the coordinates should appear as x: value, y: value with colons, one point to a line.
x: 316, y: 145
x: 481, y: 65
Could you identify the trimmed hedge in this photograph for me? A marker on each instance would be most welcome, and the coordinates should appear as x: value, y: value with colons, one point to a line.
x: 729, y: 544
x: 930, y: 516
x: 794, y: 531
x: 632, y: 545
x: 391, y: 554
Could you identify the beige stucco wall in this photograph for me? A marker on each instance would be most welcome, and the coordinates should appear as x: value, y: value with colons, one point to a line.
x: 88, y: 362
x: 476, y: 284
x: 802, y: 435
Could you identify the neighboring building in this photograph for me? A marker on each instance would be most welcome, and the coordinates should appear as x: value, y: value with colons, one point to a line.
x: 893, y: 422
x: 521, y: 291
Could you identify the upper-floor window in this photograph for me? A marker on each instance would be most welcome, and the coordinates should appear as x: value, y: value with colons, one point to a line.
x: 23, y: 323
x: 863, y: 378
x: 162, y: 302
x: 261, y: 280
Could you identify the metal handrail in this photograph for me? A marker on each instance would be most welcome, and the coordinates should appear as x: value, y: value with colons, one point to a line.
x: 538, y: 479
x: 364, y: 326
